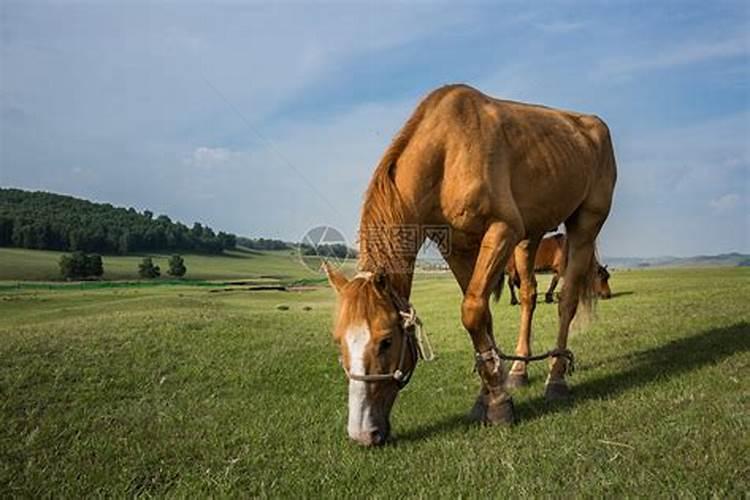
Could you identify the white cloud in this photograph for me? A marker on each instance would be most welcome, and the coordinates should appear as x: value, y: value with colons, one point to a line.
x: 242, y: 104
x: 673, y: 183
x: 725, y: 203
x: 206, y: 157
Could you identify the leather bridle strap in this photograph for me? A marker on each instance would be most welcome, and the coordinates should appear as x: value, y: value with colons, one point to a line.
x: 414, y: 341
x: 402, y: 378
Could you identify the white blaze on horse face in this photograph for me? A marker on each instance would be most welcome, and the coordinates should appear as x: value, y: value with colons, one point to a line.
x: 360, y: 415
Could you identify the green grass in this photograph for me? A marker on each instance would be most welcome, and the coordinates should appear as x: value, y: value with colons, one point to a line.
x: 175, y: 390
x: 41, y: 265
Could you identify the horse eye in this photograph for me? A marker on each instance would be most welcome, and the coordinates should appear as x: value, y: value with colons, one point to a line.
x: 385, y: 344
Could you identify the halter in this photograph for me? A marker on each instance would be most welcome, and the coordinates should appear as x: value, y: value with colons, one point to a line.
x: 415, y: 342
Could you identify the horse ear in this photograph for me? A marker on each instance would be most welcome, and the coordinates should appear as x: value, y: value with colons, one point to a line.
x: 335, y: 278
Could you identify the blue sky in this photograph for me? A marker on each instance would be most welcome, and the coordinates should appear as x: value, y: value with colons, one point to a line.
x: 268, y: 119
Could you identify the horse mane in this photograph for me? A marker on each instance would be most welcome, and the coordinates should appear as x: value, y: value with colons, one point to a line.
x: 384, y: 210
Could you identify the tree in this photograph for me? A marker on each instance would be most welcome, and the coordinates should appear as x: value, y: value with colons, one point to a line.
x: 338, y: 250
x: 81, y: 265
x: 6, y: 231
x: 123, y: 245
x: 93, y: 265
x: 177, y: 266
x: 228, y: 241
x: 197, y: 231
x: 147, y: 269
x: 73, y: 265
x: 55, y: 222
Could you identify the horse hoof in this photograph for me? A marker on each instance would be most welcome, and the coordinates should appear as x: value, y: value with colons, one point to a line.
x: 478, y: 411
x: 513, y: 302
x: 501, y: 413
x: 549, y: 299
x: 556, y: 390
x: 516, y: 380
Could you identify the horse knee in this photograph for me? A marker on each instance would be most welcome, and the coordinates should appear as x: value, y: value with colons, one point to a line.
x: 473, y: 313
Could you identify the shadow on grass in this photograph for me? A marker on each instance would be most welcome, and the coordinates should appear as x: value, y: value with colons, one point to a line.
x: 445, y: 424
x: 621, y: 294
x: 669, y: 360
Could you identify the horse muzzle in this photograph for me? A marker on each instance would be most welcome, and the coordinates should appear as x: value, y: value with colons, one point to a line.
x: 376, y: 437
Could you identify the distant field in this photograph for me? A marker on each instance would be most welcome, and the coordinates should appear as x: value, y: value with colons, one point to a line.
x: 41, y: 265
x: 183, y: 391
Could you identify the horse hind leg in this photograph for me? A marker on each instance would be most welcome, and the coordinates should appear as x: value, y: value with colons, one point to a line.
x: 525, y: 254
x: 582, y: 229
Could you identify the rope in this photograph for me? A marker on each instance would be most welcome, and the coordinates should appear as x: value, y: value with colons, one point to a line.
x: 424, y: 347
x: 410, y: 320
x: 552, y: 353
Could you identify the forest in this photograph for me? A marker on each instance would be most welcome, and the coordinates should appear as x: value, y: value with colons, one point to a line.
x: 48, y: 221
x: 263, y: 243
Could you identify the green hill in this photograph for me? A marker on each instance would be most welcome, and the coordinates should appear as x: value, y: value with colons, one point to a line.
x: 18, y: 264
x: 48, y: 221
x: 725, y: 259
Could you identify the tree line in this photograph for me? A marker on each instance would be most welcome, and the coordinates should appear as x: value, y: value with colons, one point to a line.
x: 80, y: 265
x: 338, y: 250
x: 48, y: 221
x: 263, y: 243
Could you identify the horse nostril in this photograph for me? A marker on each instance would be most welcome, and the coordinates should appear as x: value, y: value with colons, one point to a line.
x: 377, y: 438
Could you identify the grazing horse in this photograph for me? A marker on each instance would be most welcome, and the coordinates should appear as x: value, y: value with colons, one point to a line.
x: 495, y: 175
x: 550, y: 256
x: 602, y: 282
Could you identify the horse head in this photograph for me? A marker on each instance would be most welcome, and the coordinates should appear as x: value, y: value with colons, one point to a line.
x: 602, y: 288
x: 374, y: 330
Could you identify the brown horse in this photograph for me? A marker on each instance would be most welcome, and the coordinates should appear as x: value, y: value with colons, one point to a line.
x: 494, y: 175
x: 602, y: 282
x: 550, y: 256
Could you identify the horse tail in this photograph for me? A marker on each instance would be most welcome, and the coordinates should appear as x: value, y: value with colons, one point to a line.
x: 587, y: 296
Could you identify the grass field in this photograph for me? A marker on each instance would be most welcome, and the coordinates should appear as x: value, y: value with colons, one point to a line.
x: 181, y: 391
x: 40, y: 265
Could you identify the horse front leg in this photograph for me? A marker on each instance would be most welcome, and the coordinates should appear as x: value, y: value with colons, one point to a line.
x: 524, y: 257
x: 494, y: 405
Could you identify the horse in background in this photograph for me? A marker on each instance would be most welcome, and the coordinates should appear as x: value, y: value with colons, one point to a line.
x: 601, y: 284
x: 550, y: 256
